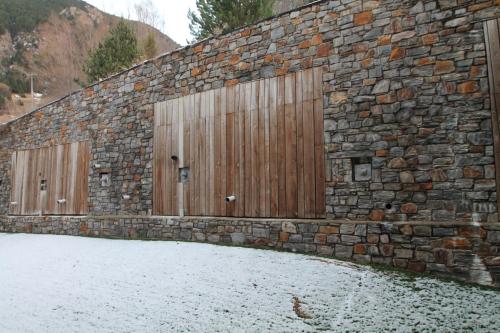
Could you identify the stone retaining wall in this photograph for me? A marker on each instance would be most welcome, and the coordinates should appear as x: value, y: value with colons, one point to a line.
x: 461, y: 251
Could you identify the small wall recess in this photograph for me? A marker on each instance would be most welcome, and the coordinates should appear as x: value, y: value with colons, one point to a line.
x: 105, y: 179
x: 362, y: 168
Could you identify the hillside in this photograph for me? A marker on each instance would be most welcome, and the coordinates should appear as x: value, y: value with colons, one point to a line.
x: 52, y: 42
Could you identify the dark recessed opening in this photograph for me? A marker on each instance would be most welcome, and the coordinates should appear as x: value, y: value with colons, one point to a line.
x: 388, y: 206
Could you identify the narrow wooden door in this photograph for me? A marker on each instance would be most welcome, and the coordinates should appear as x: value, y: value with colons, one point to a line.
x: 252, y: 150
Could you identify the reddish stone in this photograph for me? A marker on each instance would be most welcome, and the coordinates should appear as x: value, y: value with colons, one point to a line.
x: 316, y: 40
x: 448, y: 88
x: 244, y: 66
x: 360, y: 47
x: 468, y: 87
x: 196, y: 71
x: 386, y: 250
x: 476, y: 71
x: 430, y: 39
x: 387, y: 99
x: 138, y: 86
x: 320, y: 239
x: 472, y: 172
x: 456, y: 243
x: 363, y: 18
x: 198, y: 48
x: 137, y: 178
x: 323, y: 50
x: 384, y: 40
x: 425, y: 61
x: 405, y: 94
x: 231, y: 83
x: 417, y: 266
x: 305, y: 44
x: 409, y: 208
x: 367, y: 63
x: 398, y: 53
x: 376, y: 215
x: 246, y: 33
x: 234, y: 59
x: 84, y: 229
x: 364, y: 114
x: 381, y: 153
x: 268, y: 58
x: 326, y: 229
x: 359, y: 249
x: 444, y: 67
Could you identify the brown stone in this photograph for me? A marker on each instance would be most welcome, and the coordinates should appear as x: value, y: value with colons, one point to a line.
x: 397, y: 163
x: 234, y: 59
x: 430, y: 39
x: 363, y: 18
x: 386, y: 250
x: 268, y: 58
x: 398, y: 53
x: 196, y: 71
x: 384, y: 40
x: 444, y: 67
x: 284, y: 236
x: 372, y: 238
x: 244, y: 66
x: 425, y: 61
x: 381, y: 153
x: 405, y: 94
x: 416, y: 266
x: 326, y: 229
x: 359, y: 249
x: 409, y: 208
x: 138, y: 86
x: 323, y: 50
x: 367, y: 63
x: 246, y: 33
x: 316, y: 40
x: 305, y: 44
x: 320, y: 239
x: 472, y: 172
x: 406, y: 230
x: 456, y: 243
x: 387, y: 99
x: 376, y: 215
x: 438, y: 175
x: 231, y: 83
x: 338, y: 97
x: 360, y: 47
x: 468, y: 87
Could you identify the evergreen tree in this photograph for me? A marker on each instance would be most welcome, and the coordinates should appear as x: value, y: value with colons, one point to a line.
x: 117, y: 52
x: 217, y: 16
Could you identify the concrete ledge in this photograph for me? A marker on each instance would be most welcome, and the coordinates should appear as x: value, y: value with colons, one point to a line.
x: 463, y: 251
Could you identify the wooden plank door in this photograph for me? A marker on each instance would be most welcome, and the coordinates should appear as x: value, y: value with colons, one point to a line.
x: 259, y: 141
x: 492, y: 39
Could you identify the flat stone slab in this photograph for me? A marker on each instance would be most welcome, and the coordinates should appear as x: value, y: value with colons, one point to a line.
x: 66, y: 284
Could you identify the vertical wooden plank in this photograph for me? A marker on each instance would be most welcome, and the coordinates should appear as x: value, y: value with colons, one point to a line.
x: 300, y: 145
x: 186, y: 142
x: 217, y: 154
x: 319, y: 151
x: 223, y: 152
x: 44, y: 175
x: 291, y: 146
x: 261, y: 150
x: 254, y: 141
x: 158, y: 159
x: 240, y: 204
x: 71, y: 201
x: 53, y: 181
x: 168, y: 161
x: 193, y: 155
x: 83, y: 167
x: 282, y: 207
x: 175, y: 163
x: 273, y: 146
x: 308, y: 135
x: 492, y: 43
x: 211, y: 136
x: 230, y: 149
x: 203, y: 153
x: 248, y: 149
x: 16, y: 183
x: 180, y: 151
x: 267, y: 176
x: 197, y: 177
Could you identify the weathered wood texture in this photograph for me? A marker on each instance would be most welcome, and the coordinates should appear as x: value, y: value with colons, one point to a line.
x: 42, y: 177
x: 261, y: 141
x: 492, y: 37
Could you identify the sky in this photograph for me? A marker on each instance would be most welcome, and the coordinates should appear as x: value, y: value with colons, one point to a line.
x: 174, y: 13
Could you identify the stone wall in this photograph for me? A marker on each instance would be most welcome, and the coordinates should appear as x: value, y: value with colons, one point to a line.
x: 406, y: 98
x: 458, y: 250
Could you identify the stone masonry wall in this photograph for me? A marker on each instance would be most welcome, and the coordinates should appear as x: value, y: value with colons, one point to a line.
x: 406, y: 101
x: 459, y: 250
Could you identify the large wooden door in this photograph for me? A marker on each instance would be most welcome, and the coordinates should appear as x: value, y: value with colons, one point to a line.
x: 260, y: 141
x: 50, y: 180
x: 492, y: 43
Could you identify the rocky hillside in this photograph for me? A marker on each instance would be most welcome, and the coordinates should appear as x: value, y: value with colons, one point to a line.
x: 54, y: 51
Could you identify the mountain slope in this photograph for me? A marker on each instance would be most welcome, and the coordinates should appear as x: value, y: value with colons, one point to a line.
x: 55, y: 51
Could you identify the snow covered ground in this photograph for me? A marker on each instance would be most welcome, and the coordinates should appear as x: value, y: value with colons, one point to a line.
x: 68, y: 284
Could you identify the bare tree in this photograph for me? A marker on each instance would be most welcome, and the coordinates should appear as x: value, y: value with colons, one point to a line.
x: 147, y: 13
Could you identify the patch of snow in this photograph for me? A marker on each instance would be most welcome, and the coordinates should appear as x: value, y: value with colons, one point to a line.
x: 70, y: 284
